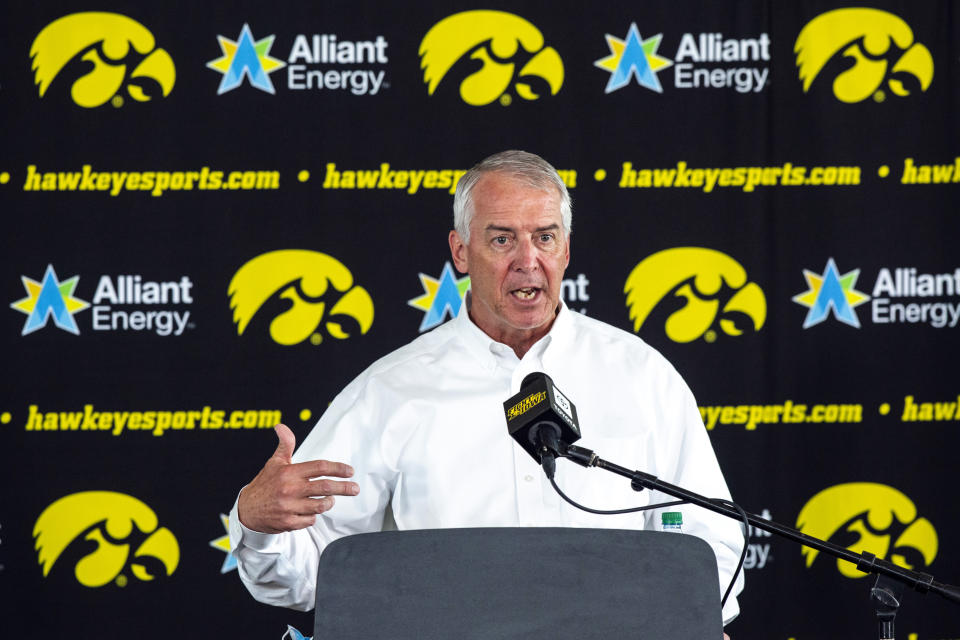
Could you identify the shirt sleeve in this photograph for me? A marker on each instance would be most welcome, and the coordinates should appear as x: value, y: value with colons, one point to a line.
x: 689, y: 461
x: 281, y: 569
x: 278, y: 569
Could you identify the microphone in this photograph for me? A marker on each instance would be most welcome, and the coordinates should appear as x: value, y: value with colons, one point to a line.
x: 540, y: 418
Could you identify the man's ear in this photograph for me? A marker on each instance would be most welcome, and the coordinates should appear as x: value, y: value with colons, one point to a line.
x: 458, y: 251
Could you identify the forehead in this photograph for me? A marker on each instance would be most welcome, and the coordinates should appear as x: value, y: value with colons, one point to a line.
x: 506, y: 201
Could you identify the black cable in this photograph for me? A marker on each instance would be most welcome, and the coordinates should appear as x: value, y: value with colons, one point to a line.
x: 727, y: 503
x: 614, y: 511
x: 746, y: 542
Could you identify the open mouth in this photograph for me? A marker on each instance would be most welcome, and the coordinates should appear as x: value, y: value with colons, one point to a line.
x: 527, y: 293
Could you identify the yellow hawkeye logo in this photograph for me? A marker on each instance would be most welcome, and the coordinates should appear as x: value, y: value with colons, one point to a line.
x: 705, y: 279
x: 304, y: 279
x: 871, y: 517
x: 879, y: 44
x: 103, y: 41
x: 115, y: 523
x: 489, y: 47
x: 526, y: 404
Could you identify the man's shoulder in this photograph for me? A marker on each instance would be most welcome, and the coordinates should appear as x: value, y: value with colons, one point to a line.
x: 601, y: 337
x: 590, y: 328
x: 420, y: 352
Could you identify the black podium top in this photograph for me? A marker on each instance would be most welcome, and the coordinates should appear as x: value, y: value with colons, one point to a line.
x: 518, y: 583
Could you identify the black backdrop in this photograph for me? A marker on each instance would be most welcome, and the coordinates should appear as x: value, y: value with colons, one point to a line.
x: 845, y: 428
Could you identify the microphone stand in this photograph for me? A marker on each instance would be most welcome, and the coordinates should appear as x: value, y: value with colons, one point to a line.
x: 891, y: 578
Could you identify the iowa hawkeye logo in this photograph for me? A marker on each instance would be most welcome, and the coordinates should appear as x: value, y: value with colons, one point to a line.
x: 104, y: 535
x: 306, y: 283
x: 705, y: 284
x: 496, y: 51
x: 865, y: 516
x: 878, y: 47
x: 104, y: 53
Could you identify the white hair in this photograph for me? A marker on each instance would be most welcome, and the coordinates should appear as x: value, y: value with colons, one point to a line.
x: 521, y: 165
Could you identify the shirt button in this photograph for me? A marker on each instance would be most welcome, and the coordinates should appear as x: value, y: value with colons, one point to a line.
x: 528, y: 478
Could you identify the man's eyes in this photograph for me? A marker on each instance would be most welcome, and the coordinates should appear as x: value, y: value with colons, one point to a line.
x: 543, y: 238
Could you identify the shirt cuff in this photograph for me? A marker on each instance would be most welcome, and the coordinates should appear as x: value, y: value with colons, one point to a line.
x: 240, y: 534
x: 731, y: 610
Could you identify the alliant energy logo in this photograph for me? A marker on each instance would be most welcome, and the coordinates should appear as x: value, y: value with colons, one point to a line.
x: 831, y: 292
x: 50, y: 299
x: 127, y: 303
x: 318, y: 61
x: 442, y: 298
x: 907, y: 283
x: 526, y: 404
x: 245, y: 58
x: 120, y: 303
x: 124, y: 534
x: 633, y: 57
x: 709, y: 287
x: 109, y: 52
x: 292, y: 633
x: 305, y: 283
x: 758, y: 549
x: 702, y: 61
x: 222, y: 543
x: 512, y: 53
x: 863, y: 49
x: 326, y: 62
x: 865, y: 516
x: 900, y: 295
x: 573, y: 291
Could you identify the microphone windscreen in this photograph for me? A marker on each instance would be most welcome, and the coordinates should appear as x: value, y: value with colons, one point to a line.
x: 538, y: 404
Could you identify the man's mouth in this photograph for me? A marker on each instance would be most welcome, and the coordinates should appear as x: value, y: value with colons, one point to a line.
x: 526, y: 293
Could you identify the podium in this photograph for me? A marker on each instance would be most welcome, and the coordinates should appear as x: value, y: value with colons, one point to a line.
x: 506, y: 583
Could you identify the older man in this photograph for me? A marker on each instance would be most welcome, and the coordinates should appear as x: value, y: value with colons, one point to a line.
x: 423, y: 427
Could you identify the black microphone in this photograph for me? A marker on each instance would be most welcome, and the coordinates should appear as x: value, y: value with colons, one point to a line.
x: 540, y: 418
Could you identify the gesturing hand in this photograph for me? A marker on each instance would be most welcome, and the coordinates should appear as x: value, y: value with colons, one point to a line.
x: 283, y: 497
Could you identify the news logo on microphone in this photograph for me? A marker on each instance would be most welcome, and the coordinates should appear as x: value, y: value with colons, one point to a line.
x: 539, y: 402
x: 525, y: 405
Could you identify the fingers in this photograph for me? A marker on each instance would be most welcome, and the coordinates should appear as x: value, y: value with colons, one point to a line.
x: 318, y: 488
x: 288, y: 442
x: 325, y: 487
x: 321, y: 505
x: 310, y: 507
x: 318, y: 468
x: 286, y: 496
x: 324, y: 504
x: 293, y: 523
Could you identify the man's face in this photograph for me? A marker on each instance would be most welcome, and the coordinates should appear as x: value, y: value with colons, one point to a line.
x: 516, y: 257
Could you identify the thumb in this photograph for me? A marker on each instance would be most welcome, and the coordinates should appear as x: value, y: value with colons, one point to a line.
x: 288, y: 442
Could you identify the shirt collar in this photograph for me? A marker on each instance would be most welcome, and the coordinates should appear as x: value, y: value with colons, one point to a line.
x: 490, y: 352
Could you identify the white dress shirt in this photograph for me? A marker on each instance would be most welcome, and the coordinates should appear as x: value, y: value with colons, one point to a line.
x: 424, y: 429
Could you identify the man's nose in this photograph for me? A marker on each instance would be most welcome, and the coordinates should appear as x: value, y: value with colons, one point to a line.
x: 527, y: 257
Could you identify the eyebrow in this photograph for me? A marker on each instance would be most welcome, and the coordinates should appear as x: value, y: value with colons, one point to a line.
x: 550, y: 227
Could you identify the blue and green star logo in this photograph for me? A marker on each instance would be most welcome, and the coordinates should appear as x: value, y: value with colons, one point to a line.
x: 633, y: 57
x: 50, y: 299
x: 293, y: 633
x: 246, y: 57
x: 831, y: 291
x: 223, y: 544
x: 442, y: 296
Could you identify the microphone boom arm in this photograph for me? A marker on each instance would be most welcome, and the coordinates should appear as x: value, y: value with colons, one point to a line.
x: 865, y: 561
